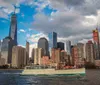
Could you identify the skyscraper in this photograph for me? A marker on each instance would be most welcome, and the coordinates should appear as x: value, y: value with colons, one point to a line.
x: 75, y: 57
x: 55, y: 55
x: 6, y: 50
x: 52, y: 40
x: 27, y: 52
x: 18, y: 57
x: 96, y: 43
x: 13, y: 29
x: 38, y: 54
x: 43, y: 43
x: 89, y: 52
x: 68, y: 47
x: 9, y: 41
x: 81, y: 52
x: 60, y: 45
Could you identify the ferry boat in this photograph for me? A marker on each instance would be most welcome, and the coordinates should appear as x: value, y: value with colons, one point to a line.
x: 45, y: 71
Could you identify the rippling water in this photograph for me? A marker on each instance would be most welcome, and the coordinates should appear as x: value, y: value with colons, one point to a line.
x: 13, y: 78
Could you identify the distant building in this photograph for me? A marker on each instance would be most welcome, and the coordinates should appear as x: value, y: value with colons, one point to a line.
x: 52, y: 40
x: 81, y: 53
x: 2, y: 61
x: 62, y: 56
x: 27, y: 52
x: 60, y: 45
x: 55, y: 55
x: 38, y: 54
x: 68, y: 47
x: 32, y: 55
x: 43, y: 43
x: 6, y: 50
x: 18, y: 57
x: 89, y: 52
x: 75, y: 56
x: 45, y: 60
x: 0, y: 45
x: 96, y: 43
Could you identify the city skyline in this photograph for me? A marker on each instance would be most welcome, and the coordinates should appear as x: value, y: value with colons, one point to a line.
x: 49, y: 42
x: 29, y: 23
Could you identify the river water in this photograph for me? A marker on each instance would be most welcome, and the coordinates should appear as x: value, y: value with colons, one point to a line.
x: 13, y: 78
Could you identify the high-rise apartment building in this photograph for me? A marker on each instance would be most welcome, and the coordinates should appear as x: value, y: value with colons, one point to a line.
x: 89, y: 52
x: 55, y: 55
x: 38, y: 54
x: 81, y: 53
x: 75, y: 57
x: 18, y: 57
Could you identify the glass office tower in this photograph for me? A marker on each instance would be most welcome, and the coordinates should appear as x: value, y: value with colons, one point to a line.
x: 52, y: 40
x: 13, y: 29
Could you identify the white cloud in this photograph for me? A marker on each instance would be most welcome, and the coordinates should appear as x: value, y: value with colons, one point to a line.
x: 22, y: 46
x: 74, y: 19
x: 22, y: 30
x: 85, y: 40
x: 7, y: 7
x: 35, y: 37
x: 3, y: 15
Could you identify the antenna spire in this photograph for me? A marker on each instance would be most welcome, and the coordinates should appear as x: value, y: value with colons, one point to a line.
x: 14, y: 9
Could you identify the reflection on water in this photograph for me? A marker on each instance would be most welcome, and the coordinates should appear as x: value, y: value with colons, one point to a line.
x: 11, y: 78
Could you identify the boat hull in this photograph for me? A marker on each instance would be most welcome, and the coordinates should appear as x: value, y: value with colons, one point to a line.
x: 53, y: 72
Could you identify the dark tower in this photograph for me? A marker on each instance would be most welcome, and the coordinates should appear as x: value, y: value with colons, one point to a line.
x: 60, y: 45
x: 43, y: 43
x: 27, y: 52
x: 13, y: 28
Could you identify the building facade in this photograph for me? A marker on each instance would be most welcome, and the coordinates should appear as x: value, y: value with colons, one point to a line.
x: 81, y: 53
x: 32, y: 55
x: 60, y: 45
x: 27, y: 52
x: 6, y: 50
x: 96, y: 43
x: 45, y: 60
x: 52, y: 41
x: 18, y: 57
x: 68, y: 47
x: 90, y: 52
x: 55, y: 55
x: 75, y: 57
x: 38, y: 54
x: 13, y: 29
x: 43, y: 43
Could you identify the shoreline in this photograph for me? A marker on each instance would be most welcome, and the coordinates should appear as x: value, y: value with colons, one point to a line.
x: 11, y: 69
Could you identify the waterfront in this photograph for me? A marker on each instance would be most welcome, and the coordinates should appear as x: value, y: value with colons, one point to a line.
x: 13, y: 78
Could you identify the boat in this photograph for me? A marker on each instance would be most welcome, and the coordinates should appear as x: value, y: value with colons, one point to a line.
x: 53, y: 71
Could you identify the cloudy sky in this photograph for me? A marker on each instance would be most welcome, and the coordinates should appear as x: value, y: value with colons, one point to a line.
x: 72, y: 19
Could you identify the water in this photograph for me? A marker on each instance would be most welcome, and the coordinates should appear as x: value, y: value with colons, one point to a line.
x: 13, y: 78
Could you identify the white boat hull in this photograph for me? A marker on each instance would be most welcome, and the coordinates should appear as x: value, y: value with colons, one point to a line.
x: 53, y: 72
